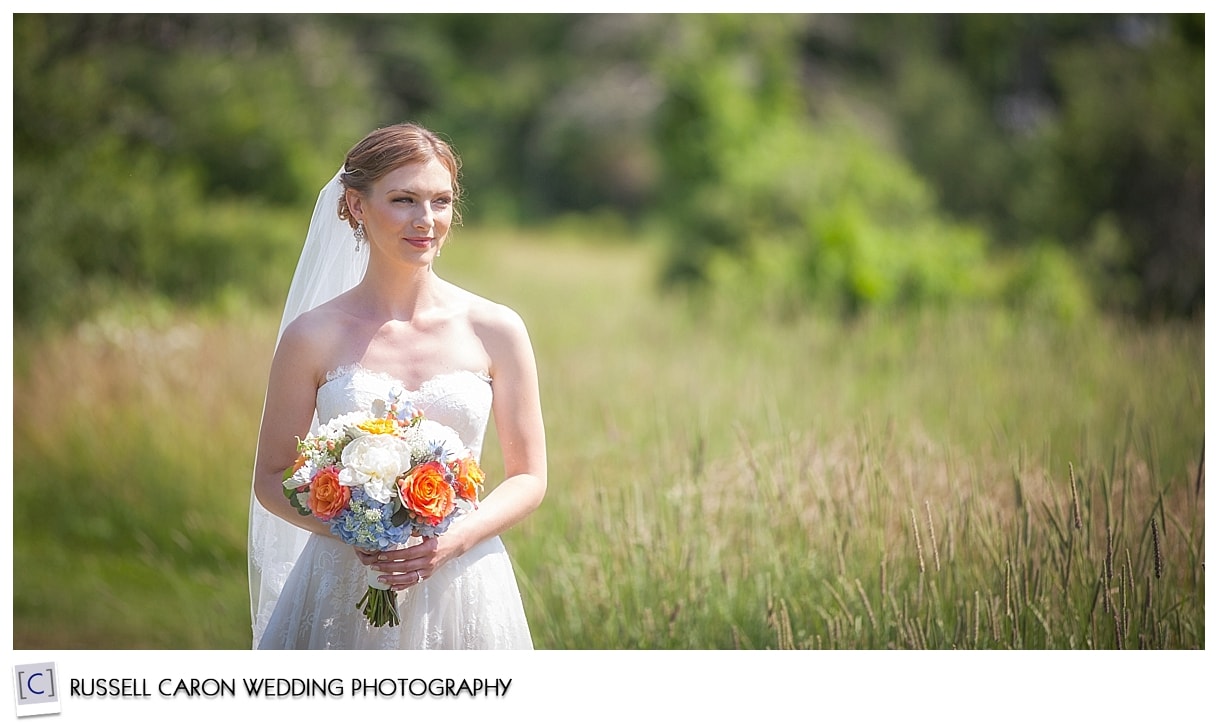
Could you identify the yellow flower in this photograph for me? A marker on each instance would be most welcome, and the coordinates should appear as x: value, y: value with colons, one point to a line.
x: 379, y: 426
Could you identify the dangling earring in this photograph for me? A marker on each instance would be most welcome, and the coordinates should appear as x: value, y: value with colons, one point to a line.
x: 360, y: 236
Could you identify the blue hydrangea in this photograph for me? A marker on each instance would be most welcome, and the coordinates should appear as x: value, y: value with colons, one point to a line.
x: 367, y: 523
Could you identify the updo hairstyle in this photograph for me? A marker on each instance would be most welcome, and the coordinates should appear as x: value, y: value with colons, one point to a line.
x: 384, y: 150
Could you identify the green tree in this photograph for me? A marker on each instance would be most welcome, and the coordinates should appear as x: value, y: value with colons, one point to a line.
x: 1129, y: 170
x: 170, y: 154
x: 782, y: 197
x: 1084, y: 131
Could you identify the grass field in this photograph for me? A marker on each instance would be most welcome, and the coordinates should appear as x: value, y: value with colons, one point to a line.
x: 968, y: 479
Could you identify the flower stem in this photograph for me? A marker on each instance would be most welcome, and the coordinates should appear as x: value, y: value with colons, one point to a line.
x: 380, y: 607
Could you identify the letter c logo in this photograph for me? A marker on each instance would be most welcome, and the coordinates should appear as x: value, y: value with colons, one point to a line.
x: 29, y: 684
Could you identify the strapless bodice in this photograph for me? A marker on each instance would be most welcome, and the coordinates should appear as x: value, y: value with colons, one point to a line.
x: 460, y: 399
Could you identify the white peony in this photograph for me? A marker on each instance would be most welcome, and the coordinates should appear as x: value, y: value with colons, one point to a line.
x: 374, y: 462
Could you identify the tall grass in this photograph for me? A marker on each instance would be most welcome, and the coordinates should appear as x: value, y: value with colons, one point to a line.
x: 970, y: 479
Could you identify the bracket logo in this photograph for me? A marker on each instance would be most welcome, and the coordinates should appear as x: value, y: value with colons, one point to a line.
x: 36, y: 689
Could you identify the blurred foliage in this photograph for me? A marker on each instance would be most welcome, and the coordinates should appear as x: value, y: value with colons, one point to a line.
x: 1051, y: 161
x: 170, y: 155
x: 1086, y: 131
x: 783, y: 198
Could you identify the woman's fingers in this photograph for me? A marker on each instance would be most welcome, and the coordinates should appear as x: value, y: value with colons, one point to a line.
x: 402, y: 568
x: 419, y: 554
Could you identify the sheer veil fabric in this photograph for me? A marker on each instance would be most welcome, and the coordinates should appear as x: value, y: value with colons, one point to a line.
x: 329, y: 265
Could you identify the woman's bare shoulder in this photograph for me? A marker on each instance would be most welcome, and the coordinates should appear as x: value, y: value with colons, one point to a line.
x: 312, y: 338
x: 504, y: 337
x: 492, y: 318
x: 313, y: 325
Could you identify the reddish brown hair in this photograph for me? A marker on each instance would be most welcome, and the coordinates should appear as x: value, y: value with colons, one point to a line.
x: 386, y: 149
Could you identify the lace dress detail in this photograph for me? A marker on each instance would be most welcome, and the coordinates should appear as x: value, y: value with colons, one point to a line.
x: 472, y: 602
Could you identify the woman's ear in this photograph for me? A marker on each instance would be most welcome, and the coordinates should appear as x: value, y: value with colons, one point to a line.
x: 355, y: 204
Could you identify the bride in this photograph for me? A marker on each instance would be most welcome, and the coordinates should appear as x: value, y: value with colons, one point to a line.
x: 367, y: 316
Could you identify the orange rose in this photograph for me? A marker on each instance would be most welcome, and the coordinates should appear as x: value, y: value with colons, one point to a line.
x: 469, y: 478
x: 426, y: 493
x: 327, y: 497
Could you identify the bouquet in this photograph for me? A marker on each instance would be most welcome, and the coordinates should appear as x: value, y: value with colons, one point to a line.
x: 378, y: 478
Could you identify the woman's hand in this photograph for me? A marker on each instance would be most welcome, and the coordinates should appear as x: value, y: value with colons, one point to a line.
x: 403, y: 568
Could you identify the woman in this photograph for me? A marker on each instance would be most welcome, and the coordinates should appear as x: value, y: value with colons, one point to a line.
x: 367, y: 315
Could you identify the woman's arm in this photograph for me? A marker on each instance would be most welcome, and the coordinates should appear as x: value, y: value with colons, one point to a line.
x: 291, y: 397
x: 518, y: 422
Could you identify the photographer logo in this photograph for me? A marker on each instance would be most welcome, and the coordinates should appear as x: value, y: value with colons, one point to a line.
x: 36, y: 689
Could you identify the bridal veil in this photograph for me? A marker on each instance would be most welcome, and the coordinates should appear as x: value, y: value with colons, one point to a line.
x: 329, y: 265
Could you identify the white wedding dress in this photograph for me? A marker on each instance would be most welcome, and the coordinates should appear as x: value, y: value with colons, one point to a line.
x: 471, y: 602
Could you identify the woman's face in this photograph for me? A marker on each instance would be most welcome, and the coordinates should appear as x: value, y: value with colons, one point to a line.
x: 408, y: 212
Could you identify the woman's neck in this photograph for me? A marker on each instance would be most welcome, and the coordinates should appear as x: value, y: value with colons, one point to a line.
x: 398, y: 293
